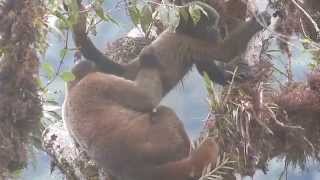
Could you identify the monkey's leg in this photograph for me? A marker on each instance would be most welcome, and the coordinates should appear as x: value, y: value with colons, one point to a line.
x: 238, y: 40
x: 165, y: 147
x: 165, y: 138
x: 192, y: 166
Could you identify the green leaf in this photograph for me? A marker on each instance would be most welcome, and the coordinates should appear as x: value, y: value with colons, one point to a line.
x: 169, y: 16
x: 134, y: 14
x: 67, y: 76
x: 1, y: 51
x: 59, y: 15
x: 197, y: 6
x: 74, y: 11
x: 63, y: 53
x: 146, y: 18
x: 40, y: 84
x: 174, y: 18
x: 195, y: 13
x: 98, y: 8
x: 100, y: 12
x: 164, y: 15
x: 306, y: 40
x: 184, y: 14
x: 312, y: 66
x: 49, y: 70
x: 62, y: 20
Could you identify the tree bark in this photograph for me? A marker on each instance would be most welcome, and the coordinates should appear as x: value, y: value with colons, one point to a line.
x: 20, y: 107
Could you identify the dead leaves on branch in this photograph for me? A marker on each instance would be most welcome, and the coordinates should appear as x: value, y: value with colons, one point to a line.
x: 256, y: 124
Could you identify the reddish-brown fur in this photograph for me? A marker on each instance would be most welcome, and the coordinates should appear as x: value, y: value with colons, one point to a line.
x: 119, y: 122
x: 110, y: 117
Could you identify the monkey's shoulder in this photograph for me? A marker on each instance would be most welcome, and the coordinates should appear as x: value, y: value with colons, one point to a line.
x: 170, y: 39
x: 170, y: 46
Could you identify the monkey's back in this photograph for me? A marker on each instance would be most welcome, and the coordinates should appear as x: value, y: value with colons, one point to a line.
x: 119, y: 132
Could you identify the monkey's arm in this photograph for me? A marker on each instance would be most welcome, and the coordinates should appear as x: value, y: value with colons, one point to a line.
x: 233, y: 45
x: 238, y: 40
x: 216, y: 74
x: 149, y: 82
x: 143, y: 94
x: 89, y: 51
x: 108, y: 88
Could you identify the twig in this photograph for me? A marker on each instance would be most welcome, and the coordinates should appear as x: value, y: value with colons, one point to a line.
x: 283, y: 38
x: 230, y: 86
x: 60, y: 64
x: 315, y: 25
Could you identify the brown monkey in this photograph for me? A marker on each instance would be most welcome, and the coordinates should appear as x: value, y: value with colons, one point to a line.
x: 112, y: 120
x: 204, y: 47
x: 118, y: 122
x: 200, y: 31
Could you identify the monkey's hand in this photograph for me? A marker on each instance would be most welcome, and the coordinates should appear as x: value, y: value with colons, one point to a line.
x: 263, y: 19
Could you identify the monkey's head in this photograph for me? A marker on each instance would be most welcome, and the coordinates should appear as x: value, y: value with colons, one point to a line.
x: 207, y: 26
x: 80, y: 70
x: 83, y: 68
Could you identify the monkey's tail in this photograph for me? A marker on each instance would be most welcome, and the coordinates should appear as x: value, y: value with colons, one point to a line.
x: 88, y: 49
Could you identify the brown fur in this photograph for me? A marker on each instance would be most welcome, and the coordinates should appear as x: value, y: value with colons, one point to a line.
x: 118, y: 121
x: 177, y: 52
x: 122, y: 134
